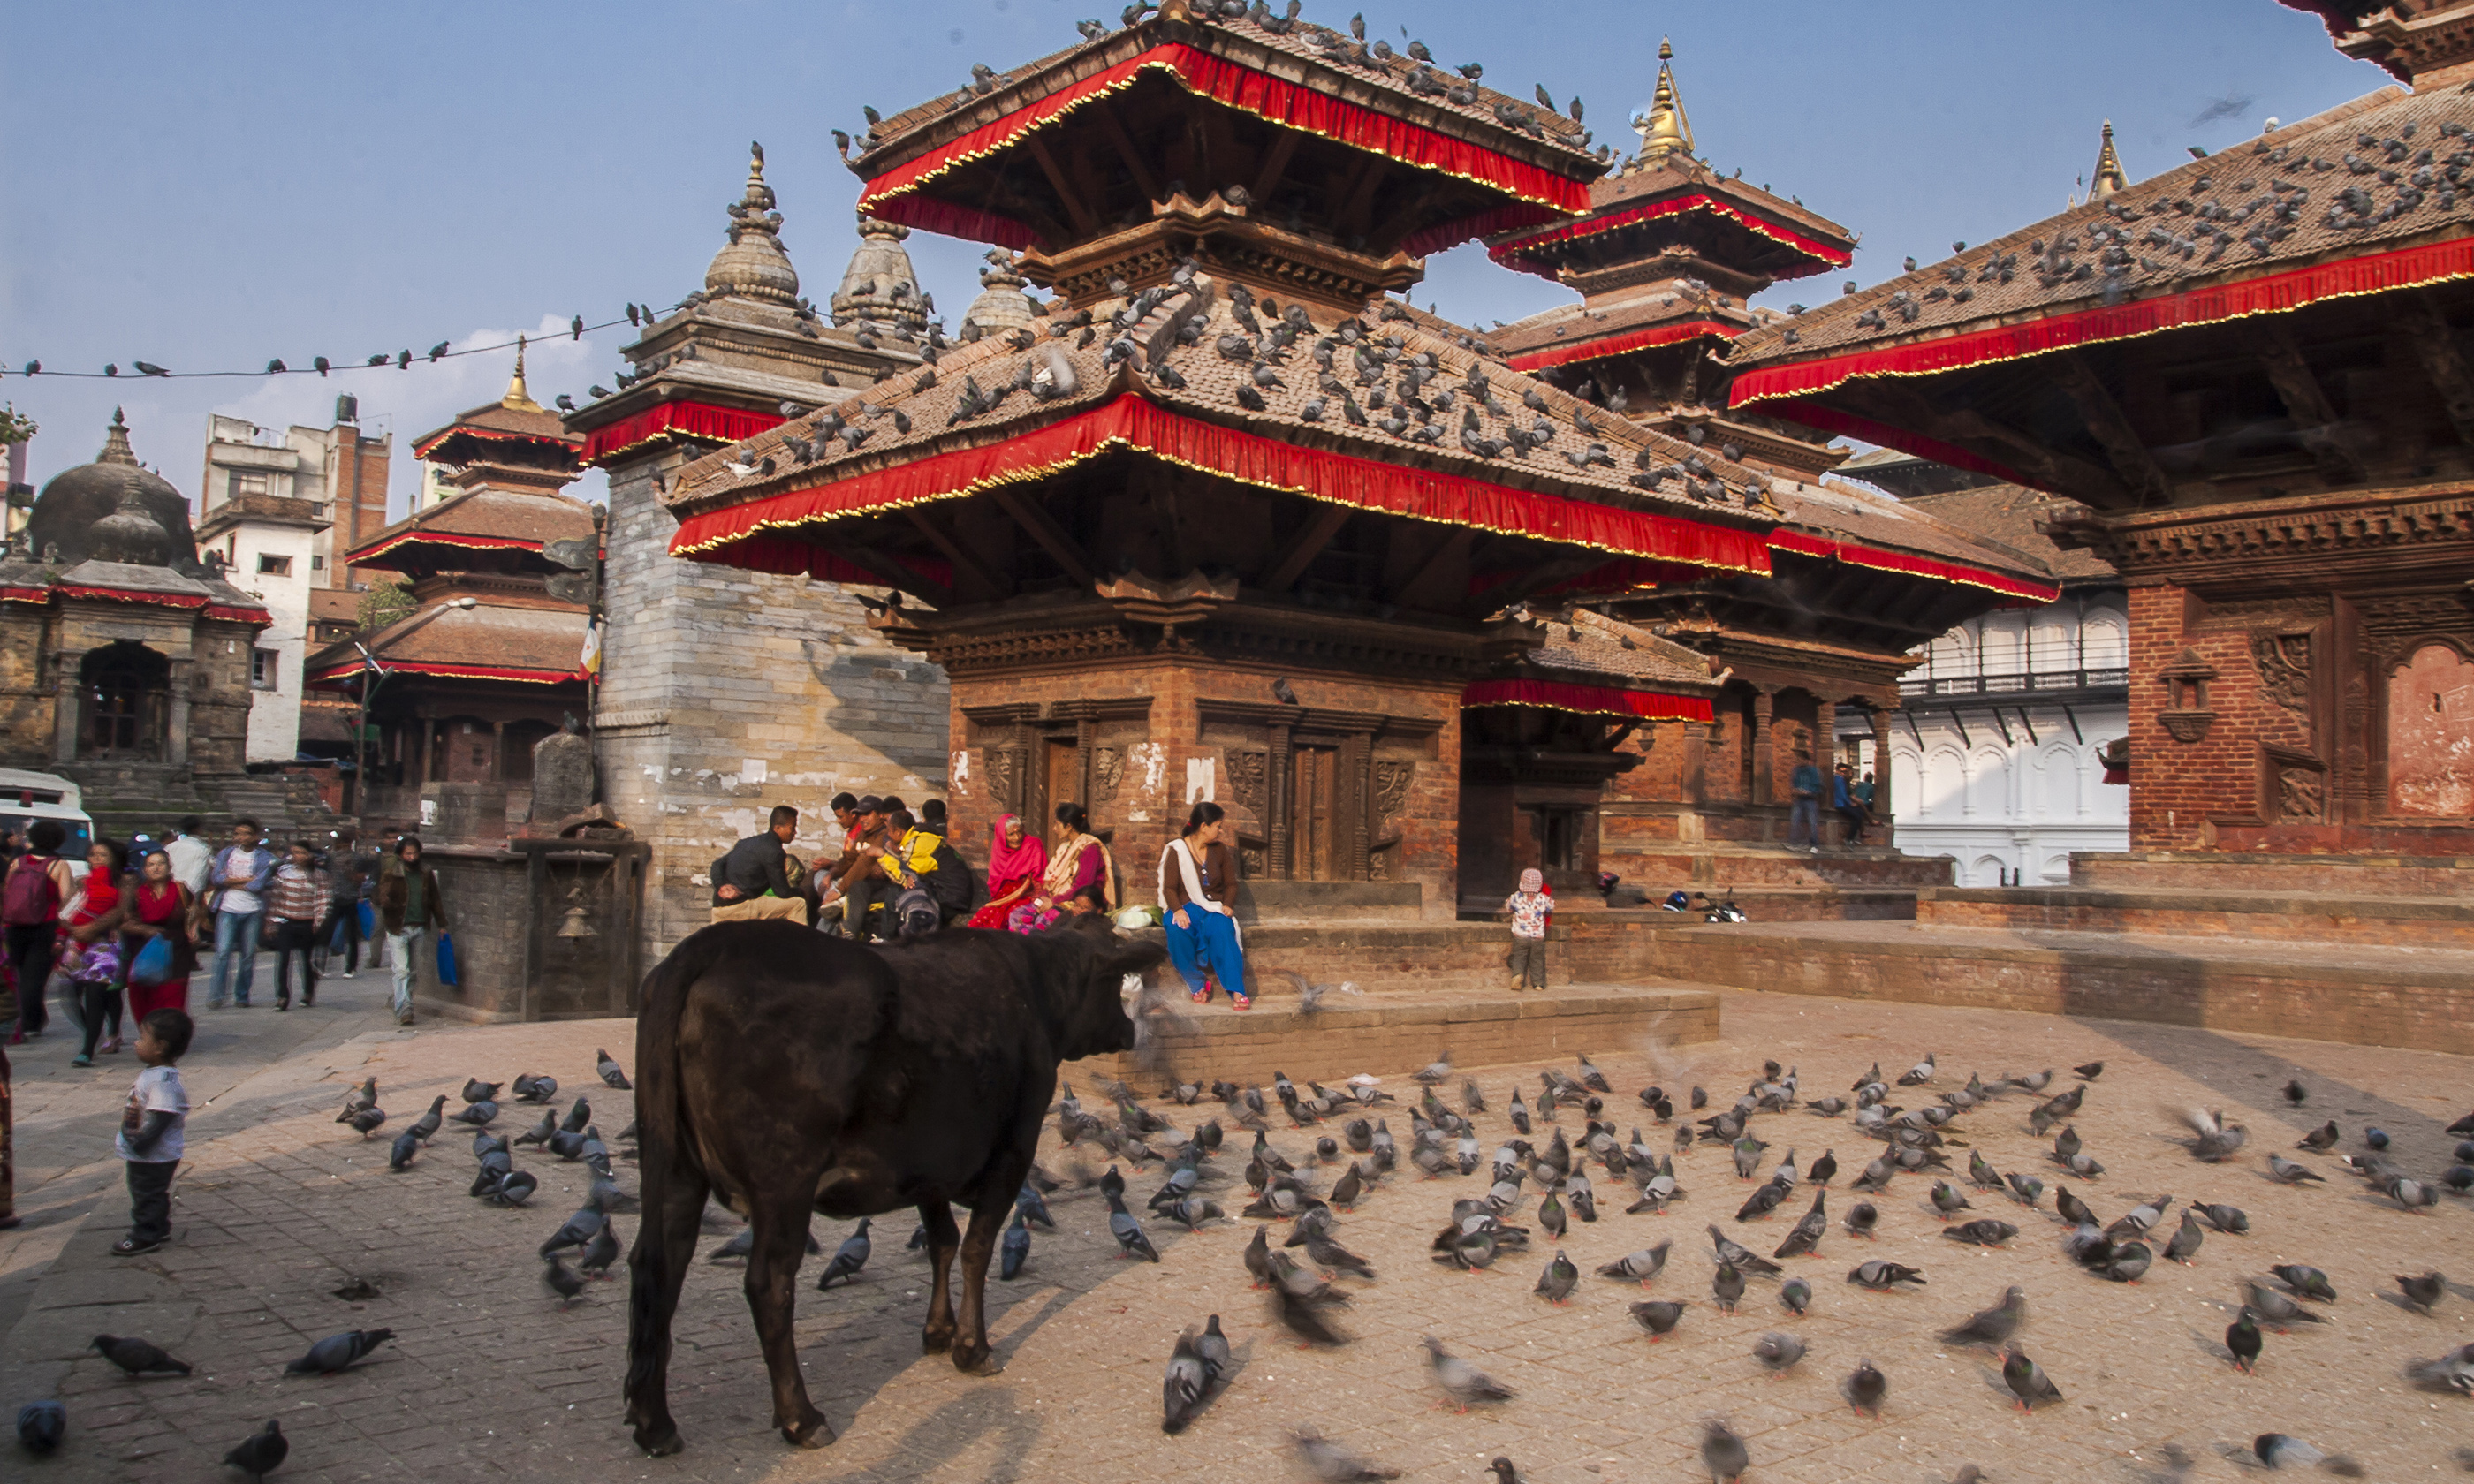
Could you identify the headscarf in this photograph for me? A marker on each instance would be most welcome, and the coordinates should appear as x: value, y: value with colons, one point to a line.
x: 1531, y: 880
x: 1065, y: 863
x: 1011, y: 863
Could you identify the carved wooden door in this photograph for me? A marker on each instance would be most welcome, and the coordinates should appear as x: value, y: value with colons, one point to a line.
x: 1062, y: 780
x: 1314, y: 814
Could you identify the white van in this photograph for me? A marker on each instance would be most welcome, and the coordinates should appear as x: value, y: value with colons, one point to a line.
x: 27, y: 797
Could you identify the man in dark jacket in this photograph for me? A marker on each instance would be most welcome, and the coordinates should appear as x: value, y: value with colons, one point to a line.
x: 753, y: 879
x: 409, y: 906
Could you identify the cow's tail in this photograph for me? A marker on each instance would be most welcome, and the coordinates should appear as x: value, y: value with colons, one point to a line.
x: 672, y: 1172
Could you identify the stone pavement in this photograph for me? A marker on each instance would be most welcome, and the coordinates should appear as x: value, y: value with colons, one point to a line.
x: 490, y: 1377
x: 66, y: 1117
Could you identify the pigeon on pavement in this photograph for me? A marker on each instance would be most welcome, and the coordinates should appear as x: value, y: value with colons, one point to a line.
x: 260, y: 1453
x: 1867, y: 1388
x: 2028, y: 1381
x: 1463, y: 1382
x: 40, y: 1427
x: 849, y: 1258
x: 1723, y: 1454
x: 139, y: 1357
x: 337, y: 1351
x: 609, y: 1070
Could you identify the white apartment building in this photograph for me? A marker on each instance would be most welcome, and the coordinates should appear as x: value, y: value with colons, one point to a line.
x: 279, y: 510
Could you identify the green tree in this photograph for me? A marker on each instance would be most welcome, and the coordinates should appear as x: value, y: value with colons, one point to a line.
x: 386, y: 600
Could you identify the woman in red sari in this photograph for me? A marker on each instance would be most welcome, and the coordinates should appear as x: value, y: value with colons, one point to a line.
x: 159, y: 907
x: 1016, y: 860
x: 89, y: 929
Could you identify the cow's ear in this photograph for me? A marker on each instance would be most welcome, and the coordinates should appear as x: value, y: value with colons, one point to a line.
x: 1133, y: 958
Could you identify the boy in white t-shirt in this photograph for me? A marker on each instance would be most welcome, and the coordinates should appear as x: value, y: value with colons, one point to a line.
x: 150, y: 1130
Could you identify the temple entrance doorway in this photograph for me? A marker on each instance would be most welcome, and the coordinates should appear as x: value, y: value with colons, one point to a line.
x: 127, y: 693
x: 1314, y: 813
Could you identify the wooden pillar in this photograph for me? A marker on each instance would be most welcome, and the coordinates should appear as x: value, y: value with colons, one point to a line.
x: 1275, y: 804
x: 1882, y: 773
x: 1082, y: 764
x: 428, y: 736
x: 1825, y: 757
x: 1764, y: 697
x: 497, y: 751
x: 1357, y: 767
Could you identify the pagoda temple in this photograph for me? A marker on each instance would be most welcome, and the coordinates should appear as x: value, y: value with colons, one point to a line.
x: 724, y: 692
x: 1666, y: 259
x: 489, y: 661
x: 2249, y: 377
x: 1224, y: 520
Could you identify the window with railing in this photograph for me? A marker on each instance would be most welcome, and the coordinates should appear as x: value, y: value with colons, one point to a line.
x: 2017, y: 654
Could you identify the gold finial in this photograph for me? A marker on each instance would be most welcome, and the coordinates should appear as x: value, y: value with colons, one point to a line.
x: 517, y: 396
x: 1664, y: 128
x: 2109, y: 177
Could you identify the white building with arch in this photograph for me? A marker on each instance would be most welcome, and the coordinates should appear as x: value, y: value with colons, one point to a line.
x: 1996, y: 752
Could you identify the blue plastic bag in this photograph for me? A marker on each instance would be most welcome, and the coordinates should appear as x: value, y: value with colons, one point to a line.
x: 447, y: 959
x: 153, y: 964
x: 369, y: 921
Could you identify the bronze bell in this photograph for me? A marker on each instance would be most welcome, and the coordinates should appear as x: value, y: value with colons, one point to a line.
x: 572, y: 924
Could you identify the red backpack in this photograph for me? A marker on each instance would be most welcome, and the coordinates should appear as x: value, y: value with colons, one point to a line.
x: 31, y: 898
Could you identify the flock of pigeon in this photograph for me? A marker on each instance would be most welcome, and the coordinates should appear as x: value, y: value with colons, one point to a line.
x: 1312, y: 1277
x: 42, y: 1426
x: 1918, y: 1127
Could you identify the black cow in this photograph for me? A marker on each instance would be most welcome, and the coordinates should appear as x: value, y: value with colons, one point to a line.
x: 782, y: 1072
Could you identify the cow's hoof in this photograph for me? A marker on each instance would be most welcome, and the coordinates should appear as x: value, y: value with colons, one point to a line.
x: 659, y: 1442
x: 975, y: 1360
x: 815, y: 1432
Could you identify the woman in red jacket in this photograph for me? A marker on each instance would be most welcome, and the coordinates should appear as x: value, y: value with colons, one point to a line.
x: 158, y: 906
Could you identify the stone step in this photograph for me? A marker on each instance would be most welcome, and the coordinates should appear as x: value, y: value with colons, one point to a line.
x: 2366, y: 993
x: 2307, y: 917
x: 1659, y: 870
x: 1762, y: 903
x: 2214, y: 870
x: 1392, y: 1036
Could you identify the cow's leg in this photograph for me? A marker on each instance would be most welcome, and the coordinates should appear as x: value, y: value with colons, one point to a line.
x: 674, y: 1195
x: 988, y: 1214
x: 780, y: 1225
x: 943, y: 1238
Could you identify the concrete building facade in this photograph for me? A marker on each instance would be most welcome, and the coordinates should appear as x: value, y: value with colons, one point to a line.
x: 278, y: 509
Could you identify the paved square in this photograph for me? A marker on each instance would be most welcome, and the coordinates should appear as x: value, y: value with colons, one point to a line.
x: 490, y: 1377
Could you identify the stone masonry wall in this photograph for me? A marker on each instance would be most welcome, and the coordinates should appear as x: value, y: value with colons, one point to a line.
x: 727, y: 693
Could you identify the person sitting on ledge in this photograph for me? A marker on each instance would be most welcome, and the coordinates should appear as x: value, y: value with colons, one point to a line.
x: 754, y: 881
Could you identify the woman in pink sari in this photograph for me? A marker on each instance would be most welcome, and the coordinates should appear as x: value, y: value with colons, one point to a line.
x: 1016, y: 860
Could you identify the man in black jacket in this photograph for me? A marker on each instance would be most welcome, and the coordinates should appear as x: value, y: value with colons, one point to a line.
x: 754, y: 880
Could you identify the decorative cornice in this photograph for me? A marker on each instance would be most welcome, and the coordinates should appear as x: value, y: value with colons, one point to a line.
x: 2324, y: 535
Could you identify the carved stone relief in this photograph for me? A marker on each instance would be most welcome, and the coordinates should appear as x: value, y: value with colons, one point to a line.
x: 1392, y: 780
x: 2431, y: 734
x: 2301, y: 796
x: 2284, y: 662
x: 1247, y: 771
x: 1108, y: 770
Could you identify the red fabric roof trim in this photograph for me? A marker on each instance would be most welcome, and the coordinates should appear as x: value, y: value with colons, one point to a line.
x: 368, y: 555
x: 460, y: 672
x: 1588, y: 700
x: 239, y: 615
x: 1881, y: 561
x: 685, y: 420
x: 1617, y: 344
x: 889, y: 197
x: 1514, y: 253
x: 121, y: 595
x: 2269, y: 294
x: 420, y: 451
x: 25, y: 594
x: 1830, y: 420
x: 741, y: 534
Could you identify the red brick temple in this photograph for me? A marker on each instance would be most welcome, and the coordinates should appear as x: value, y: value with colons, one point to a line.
x: 487, y: 662
x: 2250, y: 375
x: 1227, y: 521
x: 1666, y: 259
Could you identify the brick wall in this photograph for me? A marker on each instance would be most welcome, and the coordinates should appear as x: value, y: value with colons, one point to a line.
x: 1150, y: 803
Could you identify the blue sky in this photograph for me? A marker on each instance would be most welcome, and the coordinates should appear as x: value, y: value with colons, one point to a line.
x: 206, y: 186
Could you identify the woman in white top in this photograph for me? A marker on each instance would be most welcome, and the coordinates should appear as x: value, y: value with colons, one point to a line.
x: 1197, y: 881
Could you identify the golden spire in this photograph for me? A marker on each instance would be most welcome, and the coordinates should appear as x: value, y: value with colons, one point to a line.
x: 517, y: 396
x: 2109, y: 178
x: 1664, y: 129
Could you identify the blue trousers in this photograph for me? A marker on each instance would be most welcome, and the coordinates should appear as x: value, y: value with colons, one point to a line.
x: 1210, y: 946
x: 235, y: 938
x: 1804, y: 819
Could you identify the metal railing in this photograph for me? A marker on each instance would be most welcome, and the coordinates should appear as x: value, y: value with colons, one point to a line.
x: 2017, y: 683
